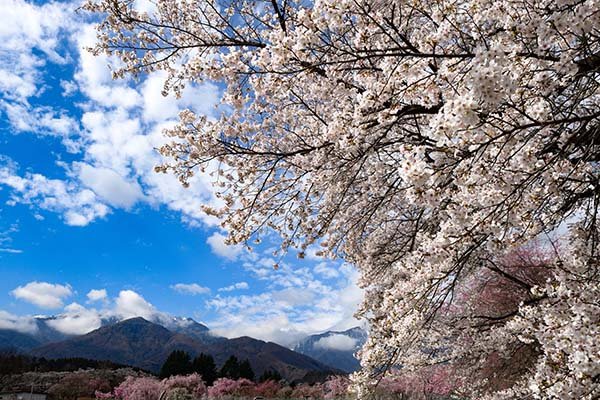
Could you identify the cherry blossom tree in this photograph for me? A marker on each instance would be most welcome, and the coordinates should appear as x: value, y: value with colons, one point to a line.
x: 227, y: 388
x: 336, y: 387
x: 420, y: 140
x: 136, y: 388
x: 191, y: 385
x: 148, y: 388
x: 305, y: 390
x: 268, y: 389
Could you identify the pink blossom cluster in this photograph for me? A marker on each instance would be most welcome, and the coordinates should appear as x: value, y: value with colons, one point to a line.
x: 147, y: 388
x: 192, y: 387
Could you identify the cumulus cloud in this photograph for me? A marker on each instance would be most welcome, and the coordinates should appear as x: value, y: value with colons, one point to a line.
x: 76, y: 320
x: 31, y: 36
x: 43, y: 294
x: 16, y: 323
x: 190, y: 288
x: 216, y: 241
x: 327, y: 271
x: 157, y: 108
x: 294, y: 296
x: 336, y: 342
x: 110, y: 186
x: 43, y: 120
x: 116, y: 135
x: 235, y: 286
x: 130, y: 304
x: 296, y: 304
x: 29, y: 26
x: 79, y: 206
x: 96, y: 295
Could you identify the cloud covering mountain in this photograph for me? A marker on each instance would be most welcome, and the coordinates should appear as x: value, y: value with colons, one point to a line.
x: 335, y: 347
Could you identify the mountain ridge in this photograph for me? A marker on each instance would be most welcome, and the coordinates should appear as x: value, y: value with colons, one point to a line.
x: 146, y: 345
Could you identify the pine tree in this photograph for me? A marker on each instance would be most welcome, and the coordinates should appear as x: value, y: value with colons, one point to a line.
x: 178, y: 363
x: 204, y: 365
x: 231, y: 368
x: 246, y: 370
x: 270, y: 375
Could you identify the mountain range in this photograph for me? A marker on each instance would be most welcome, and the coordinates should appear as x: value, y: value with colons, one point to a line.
x: 334, y: 348
x: 146, y: 344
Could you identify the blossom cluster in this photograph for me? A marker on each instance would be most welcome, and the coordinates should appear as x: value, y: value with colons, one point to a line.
x: 192, y: 387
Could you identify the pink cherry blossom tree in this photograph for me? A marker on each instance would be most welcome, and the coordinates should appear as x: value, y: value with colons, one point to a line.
x: 336, y: 387
x: 419, y: 140
x: 227, y: 388
x: 137, y: 388
x: 172, y: 388
x: 267, y: 389
x: 191, y: 384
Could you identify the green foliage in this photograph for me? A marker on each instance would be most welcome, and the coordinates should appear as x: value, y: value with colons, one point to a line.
x: 234, y: 369
x: 246, y: 370
x: 205, y: 366
x: 11, y: 363
x: 231, y: 368
x: 178, y: 363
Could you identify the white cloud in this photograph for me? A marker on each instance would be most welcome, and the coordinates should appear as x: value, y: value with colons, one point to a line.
x: 6, y: 238
x: 336, y: 342
x: 130, y: 304
x: 96, y: 295
x: 235, y: 286
x: 117, y: 135
x: 190, y: 288
x: 76, y: 320
x: 43, y: 120
x: 294, y: 296
x: 216, y: 241
x: 296, y: 304
x: 327, y: 271
x: 30, y: 36
x: 110, y: 186
x: 43, y: 294
x: 158, y: 108
x: 25, y: 28
x: 78, y: 206
x: 69, y: 87
x: 9, y: 250
x: 16, y: 323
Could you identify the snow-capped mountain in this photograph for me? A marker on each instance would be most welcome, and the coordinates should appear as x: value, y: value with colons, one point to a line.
x: 47, y: 329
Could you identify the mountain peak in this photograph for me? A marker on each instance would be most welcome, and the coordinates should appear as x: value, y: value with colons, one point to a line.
x: 335, y: 348
x: 133, y: 320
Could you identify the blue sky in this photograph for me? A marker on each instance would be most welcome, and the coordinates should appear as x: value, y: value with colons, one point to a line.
x: 81, y: 208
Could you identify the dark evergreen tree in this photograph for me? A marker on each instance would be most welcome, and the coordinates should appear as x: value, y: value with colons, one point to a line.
x: 246, y: 370
x: 178, y: 363
x: 231, y: 368
x: 204, y: 365
x: 270, y: 375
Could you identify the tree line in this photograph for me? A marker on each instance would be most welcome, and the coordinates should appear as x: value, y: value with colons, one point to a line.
x: 180, y: 362
x: 20, y: 363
